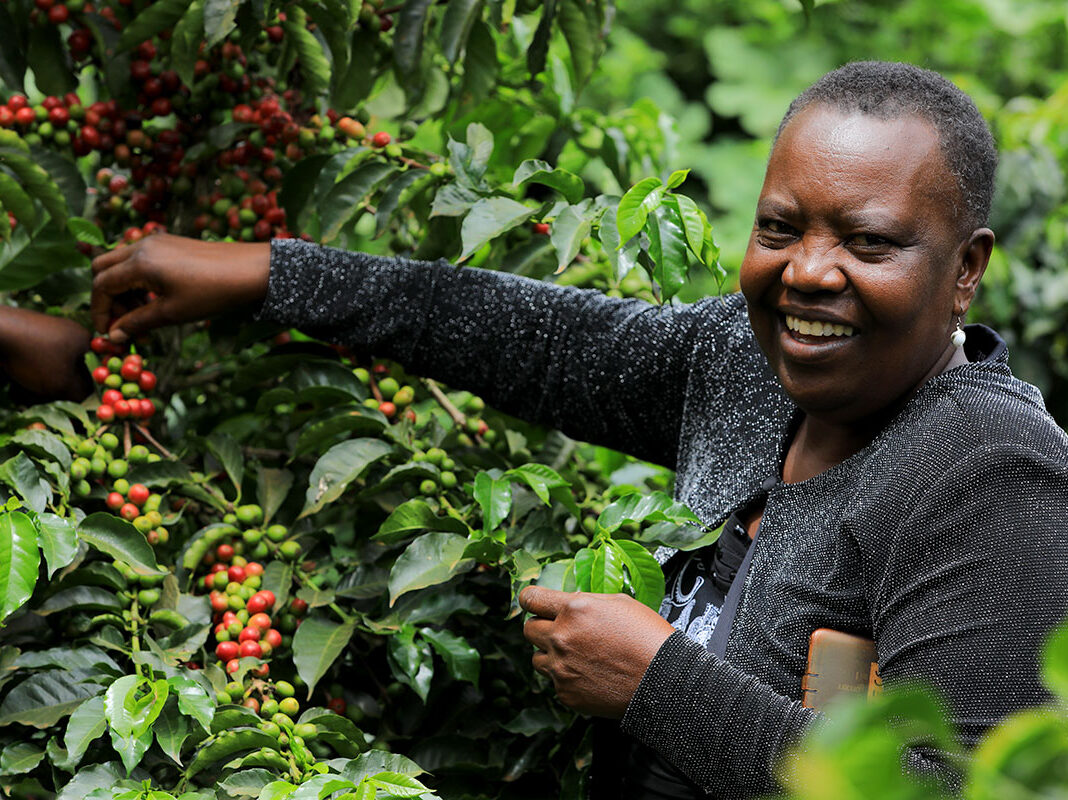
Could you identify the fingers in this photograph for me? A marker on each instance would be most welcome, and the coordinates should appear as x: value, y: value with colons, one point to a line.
x: 107, y: 285
x: 140, y: 320
x: 538, y: 632
x: 112, y: 257
x: 542, y: 602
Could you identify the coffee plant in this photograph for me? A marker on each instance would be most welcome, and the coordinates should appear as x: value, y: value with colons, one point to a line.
x: 251, y: 565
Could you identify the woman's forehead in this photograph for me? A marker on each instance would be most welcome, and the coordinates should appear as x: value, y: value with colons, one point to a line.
x: 850, y: 157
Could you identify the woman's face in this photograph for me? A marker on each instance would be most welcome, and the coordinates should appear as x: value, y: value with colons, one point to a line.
x: 852, y: 266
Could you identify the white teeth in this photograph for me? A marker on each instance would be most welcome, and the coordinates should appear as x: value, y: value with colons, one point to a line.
x: 816, y: 328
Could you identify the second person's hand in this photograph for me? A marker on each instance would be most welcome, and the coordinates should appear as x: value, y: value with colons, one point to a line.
x: 191, y: 280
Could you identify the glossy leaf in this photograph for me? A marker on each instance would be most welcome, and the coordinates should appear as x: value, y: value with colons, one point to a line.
x: 339, y: 466
x: 20, y: 757
x: 667, y: 248
x: 460, y: 16
x: 229, y: 744
x: 570, y: 229
x: 193, y: 701
x: 461, y: 659
x: 408, y: 39
x: 584, y: 562
x: 45, y: 698
x: 278, y: 578
x: 316, y: 645
x: 228, y: 452
x: 652, y: 507
x: 410, y: 661
x: 119, y: 539
x: 645, y: 576
x: 86, y: 598
x: 413, y: 516
x: 272, y: 487
x: 247, y: 782
x: 186, y: 39
x: 219, y: 19
x: 606, y: 576
x: 19, y: 561
x: 488, y: 219
x: 172, y: 730
x: 132, y: 747
x: 314, y: 64
x: 22, y: 475
x: 431, y: 559
x: 635, y: 206
x: 86, y: 724
x: 349, y: 194
x: 374, y: 762
x: 582, y: 35
x: 494, y: 497
x: 155, y: 18
x: 533, y: 170
x: 14, y: 199
x: 46, y: 54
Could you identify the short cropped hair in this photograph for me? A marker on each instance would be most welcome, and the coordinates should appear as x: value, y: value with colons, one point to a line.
x: 888, y: 90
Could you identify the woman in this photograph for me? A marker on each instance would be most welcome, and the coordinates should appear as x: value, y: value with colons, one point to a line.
x: 895, y: 482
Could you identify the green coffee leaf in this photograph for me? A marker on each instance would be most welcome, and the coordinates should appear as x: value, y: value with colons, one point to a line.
x: 410, y: 661
x: 86, y: 724
x: 581, y: 31
x: 644, y: 574
x: 460, y: 15
x: 676, y: 179
x: 316, y: 644
x: 19, y: 561
x: 408, y: 39
x: 131, y: 748
x: 534, y: 170
x: 156, y: 18
x: 193, y: 701
x: 606, y: 574
x: 20, y: 757
x: 494, y: 497
x: 120, y: 540
x: 228, y: 452
x: 45, y: 698
x: 431, y: 559
x: 667, y: 248
x: 314, y: 64
x: 187, y: 36
x: 571, y: 228
x: 374, y: 762
x: 339, y: 466
x: 219, y: 20
x: 488, y: 219
x: 22, y: 475
x: 348, y: 195
x: 461, y: 659
x: 14, y: 198
x: 172, y: 729
x: 635, y: 206
x: 413, y: 516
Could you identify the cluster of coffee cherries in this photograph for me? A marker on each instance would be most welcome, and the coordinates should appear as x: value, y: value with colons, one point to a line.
x: 125, y: 382
x: 98, y: 459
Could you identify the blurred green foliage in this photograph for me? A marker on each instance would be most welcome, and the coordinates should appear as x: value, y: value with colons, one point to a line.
x: 726, y: 71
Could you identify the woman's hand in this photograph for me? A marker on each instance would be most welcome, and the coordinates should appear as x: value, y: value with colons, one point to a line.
x: 43, y: 354
x: 594, y: 647
x: 191, y: 279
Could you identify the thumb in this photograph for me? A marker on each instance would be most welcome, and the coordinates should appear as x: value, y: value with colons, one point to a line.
x: 543, y: 602
x: 132, y: 324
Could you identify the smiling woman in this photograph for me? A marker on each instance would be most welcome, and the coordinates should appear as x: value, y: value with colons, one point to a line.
x: 872, y: 474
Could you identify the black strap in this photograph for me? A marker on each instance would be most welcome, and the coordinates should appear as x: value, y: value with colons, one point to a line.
x: 717, y: 643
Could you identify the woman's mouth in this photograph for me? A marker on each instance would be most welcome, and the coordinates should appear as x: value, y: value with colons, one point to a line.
x: 806, y: 327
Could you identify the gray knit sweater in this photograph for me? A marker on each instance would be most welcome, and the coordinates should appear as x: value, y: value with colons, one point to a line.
x: 943, y: 540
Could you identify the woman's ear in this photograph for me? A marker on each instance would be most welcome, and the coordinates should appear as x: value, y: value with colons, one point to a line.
x: 973, y: 259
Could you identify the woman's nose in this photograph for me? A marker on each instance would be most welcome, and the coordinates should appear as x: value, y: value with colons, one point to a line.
x: 814, y: 266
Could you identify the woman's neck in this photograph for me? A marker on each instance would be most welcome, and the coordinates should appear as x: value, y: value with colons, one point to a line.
x: 819, y: 444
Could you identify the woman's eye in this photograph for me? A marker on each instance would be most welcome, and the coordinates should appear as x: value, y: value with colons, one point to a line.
x: 869, y: 241
x: 775, y: 230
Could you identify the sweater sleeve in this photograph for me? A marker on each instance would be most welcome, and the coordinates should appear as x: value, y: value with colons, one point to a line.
x: 609, y: 371
x: 716, y: 723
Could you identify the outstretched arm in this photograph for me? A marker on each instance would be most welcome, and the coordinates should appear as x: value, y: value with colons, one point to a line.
x: 605, y: 370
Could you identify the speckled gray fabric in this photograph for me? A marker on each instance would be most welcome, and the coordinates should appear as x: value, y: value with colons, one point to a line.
x: 944, y: 539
